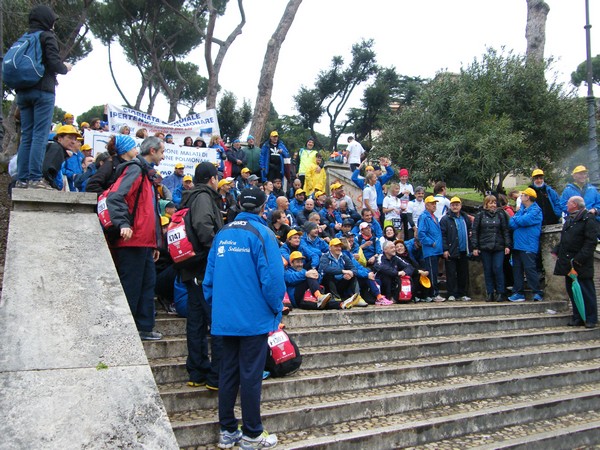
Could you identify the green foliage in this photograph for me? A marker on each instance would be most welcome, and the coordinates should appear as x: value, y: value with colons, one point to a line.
x: 92, y: 113
x: 580, y: 75
x: 233, y: 120
x: 184, y: 80
x: 58, y: 115
x: 497, y: 116
x: 333, y: 87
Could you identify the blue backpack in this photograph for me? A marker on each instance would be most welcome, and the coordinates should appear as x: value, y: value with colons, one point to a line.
x: 22, y: 66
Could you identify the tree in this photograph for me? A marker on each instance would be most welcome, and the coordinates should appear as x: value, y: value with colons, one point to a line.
x: 497, y: 116
x: 333, y: 88
x: 535, y: 30
x: 192, y: 90
x: 92, y: 113
x: 58, y: 115
x: 233, y: 120
x: 262, y: 105
x: 580, y: 75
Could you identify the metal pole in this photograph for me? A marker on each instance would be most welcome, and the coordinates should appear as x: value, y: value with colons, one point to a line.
x: 593, y: 168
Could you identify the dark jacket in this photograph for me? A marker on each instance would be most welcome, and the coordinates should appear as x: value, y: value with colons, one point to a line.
x: 206, y: 219
x: 42, y: 18
x: 390, y: 267
x: 577, y: 243
x: 548, y: 200
x: 54, y: 158
x: 105, y: 176
x: 490, y: 231
x: 450, y: 233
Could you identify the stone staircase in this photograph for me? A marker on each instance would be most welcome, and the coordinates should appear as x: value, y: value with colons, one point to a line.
x: 444, y: 376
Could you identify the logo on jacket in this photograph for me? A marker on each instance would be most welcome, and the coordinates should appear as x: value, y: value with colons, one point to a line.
x: 221, y: 251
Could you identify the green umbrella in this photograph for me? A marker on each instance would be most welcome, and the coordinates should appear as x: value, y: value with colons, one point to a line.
x: 577, y: 295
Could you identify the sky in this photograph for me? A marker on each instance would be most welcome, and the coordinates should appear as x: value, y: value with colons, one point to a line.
x: 418, y: 38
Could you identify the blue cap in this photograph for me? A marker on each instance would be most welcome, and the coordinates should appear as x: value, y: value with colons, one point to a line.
x: 249, y: 137
x: 235, y: 141
x: 124, y: 143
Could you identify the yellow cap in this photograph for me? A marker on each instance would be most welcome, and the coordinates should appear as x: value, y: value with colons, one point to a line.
x: 335, y: 241
x: 431, y: 199
x: 293, y: 233
x: 223, y: 182
x: 67, y: 129
x: 69, y: 116
x: 84, y: 124
x: 369, y: 168
x: 296, y: 255
x: 336, y: 185
x: 274, y: 133
x: 579, y: 169
x: 85, y: 147
x: 455, y: 200
x: 187, y: 178
x: 164, y: 221
x: 179, y: 166
x: 530, y: 192
x: 537, y: 173
x: 299, y: 191
x: 245, y: 170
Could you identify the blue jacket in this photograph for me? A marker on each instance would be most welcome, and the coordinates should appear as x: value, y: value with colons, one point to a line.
x: 172, y: 182
x: 331, y: 219
x: 588, y: 192
x: 312, y: 257
x: 361, y: 271
x: 73, y: 167
x: 375, y: 228
x: 296, y: 206
x: 265, y: 153
x: 271, y: 203
x: 318, y: 245
x: 331, y: 266
x: 430, y: 235
x: 370, y: 250
x: 249, y: 304
x: 293, y: 278
x: 527, y: 226
x: 384, y: 178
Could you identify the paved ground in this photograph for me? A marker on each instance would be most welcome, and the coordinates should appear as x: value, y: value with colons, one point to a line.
x: 4, y: 215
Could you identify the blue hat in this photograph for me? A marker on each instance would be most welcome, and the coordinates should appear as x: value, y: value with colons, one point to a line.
x: 168, y: 136
x: 235, y: 141
x: 124, y: 143
x: 103, y: 123
x: 250, y: 137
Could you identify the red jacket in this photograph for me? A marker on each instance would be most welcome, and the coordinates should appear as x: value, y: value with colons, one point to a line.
x: 121, y: 200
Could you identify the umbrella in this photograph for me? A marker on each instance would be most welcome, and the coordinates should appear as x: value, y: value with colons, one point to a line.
x: 577, y: 295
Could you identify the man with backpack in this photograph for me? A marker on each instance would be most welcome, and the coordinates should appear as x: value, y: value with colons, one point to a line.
x: 206, y: 220
x: 36, y: 101
x: 136, y: 249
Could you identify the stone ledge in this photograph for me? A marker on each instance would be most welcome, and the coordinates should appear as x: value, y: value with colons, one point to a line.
x: 57, y: 201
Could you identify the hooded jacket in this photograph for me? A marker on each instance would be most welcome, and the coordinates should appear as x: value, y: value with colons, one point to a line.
x: 42, y: 18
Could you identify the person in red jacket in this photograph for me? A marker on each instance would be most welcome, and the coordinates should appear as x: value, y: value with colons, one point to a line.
x: 133, y: 208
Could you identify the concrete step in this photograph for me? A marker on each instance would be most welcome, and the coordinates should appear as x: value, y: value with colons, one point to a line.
x: 451, y: 395
x: 569, y: 431
x: 400, y: 349
x: 178, y: 397
x: 174, y: 325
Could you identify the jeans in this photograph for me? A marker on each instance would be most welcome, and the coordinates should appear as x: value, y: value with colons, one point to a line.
x: 243, y: 362
x: 200, y: 368
x: 137, y: 273
x: 524, y: 263
x: 493, y: 271
x: 36, y: 109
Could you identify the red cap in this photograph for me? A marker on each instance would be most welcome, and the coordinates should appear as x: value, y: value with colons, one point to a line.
x: 403, y: 172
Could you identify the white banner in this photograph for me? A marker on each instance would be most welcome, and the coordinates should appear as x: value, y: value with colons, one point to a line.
x: 203, y: 125
x: 189, y: 156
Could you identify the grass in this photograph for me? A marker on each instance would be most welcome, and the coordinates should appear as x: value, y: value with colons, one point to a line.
x: 472, y: 195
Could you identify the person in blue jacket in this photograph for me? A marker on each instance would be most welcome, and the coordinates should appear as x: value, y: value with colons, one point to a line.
x: 272, y: 154
x: 582, y: 188
x: 547, y: 198
x: 298, y: 280
x: 367, y: 216
x: 527, y: 227
x: 294, y: 243
x: 339, y: 275
x: 245, y: 309
x: 297, y: 203
x: 432, y: 246
x: 312, y: 240
x: 382, y: 178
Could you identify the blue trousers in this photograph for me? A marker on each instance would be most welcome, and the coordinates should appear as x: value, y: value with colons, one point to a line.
x: 430, y: 264
x: 199, y: 366
x: 457, y: 275
x: 242, y: 365
x: 137, y: 273
x: 524, y: 263
x: 589, y: 299
x: 493, y: 263
x: 36, y: 109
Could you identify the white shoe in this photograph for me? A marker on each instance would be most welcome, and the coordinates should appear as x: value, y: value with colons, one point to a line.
x: 265, y: 440
x: 452, y: 298
x: 350, y: 301
x: 323, y: 300
x: 464, y: 298
x: 439, y: 299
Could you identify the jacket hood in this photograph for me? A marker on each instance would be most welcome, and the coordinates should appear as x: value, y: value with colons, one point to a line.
x: 42, y: 17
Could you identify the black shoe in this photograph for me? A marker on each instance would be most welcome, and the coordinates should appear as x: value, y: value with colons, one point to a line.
x: 591, y: 325
x: 501, y: 298
x: 490, y: 298
x: 575, y: 323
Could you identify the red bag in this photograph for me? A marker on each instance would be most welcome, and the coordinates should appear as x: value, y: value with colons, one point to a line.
x: 180, y: 247
x: 405, y: 289
x: 281, y: 347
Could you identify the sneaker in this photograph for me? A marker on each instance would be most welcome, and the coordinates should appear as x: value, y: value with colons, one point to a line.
x: 21, y: 185
x: 265, y: 440
x: 439, y: 299
x: 212, y: 386
x: 323, y: 300
x: 40, y: 184
x: 416, y: 299
x: 591, y: 325
x: 428, y: 299
x: 150, y: 336
x: 196, y: 384
x: 266, y: 374
x: 464, y: 298
x: 227, y: 439
x: 383, y: 301
x: 361, y: 302
x: 517, y: 298
x: 452, y: 298
x: 538, y: 298
x: 350, y: 301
